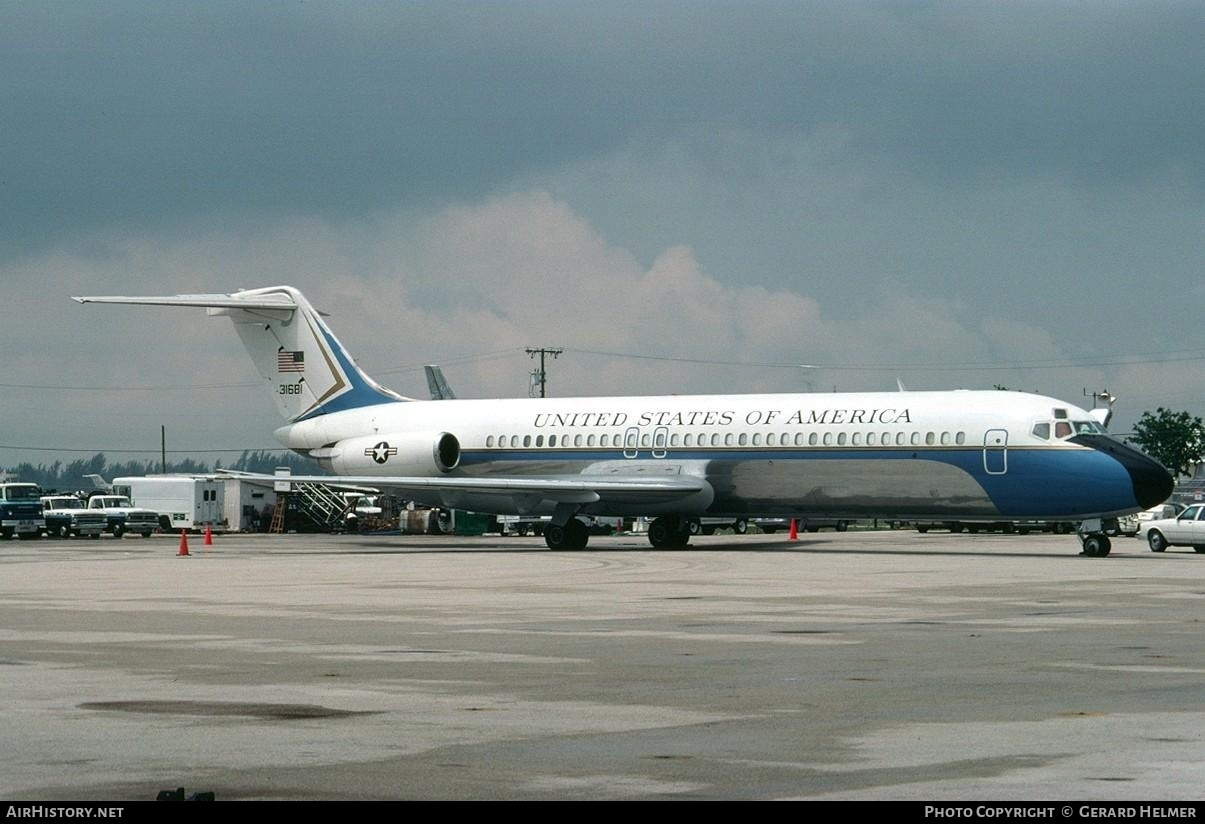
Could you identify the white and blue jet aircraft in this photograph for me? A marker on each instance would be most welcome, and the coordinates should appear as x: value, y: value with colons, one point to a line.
x: 957, y: 455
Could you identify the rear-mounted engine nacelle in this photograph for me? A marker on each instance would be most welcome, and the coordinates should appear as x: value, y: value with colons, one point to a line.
x: 422, y: 453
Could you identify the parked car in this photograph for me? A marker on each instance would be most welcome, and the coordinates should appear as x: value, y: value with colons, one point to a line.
x: 1007, y: 527
x: 967, y: 526
x: 1156, y: 513
x: 709, y: 526
x: 817, y: 524
x: 1185, y: 529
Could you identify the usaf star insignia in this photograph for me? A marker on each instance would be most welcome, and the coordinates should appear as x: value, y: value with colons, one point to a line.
x: 381, y: 452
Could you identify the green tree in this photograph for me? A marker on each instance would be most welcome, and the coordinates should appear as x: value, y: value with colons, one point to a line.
x: 1175, y: 439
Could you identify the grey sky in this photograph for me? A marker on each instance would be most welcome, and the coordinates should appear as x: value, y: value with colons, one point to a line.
x: 836, y: 183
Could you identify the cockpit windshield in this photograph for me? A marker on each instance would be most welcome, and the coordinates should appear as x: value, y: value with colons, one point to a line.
x: 1065, y: 429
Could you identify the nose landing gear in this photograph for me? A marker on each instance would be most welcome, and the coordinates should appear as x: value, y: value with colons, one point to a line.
x: 1094, y: 536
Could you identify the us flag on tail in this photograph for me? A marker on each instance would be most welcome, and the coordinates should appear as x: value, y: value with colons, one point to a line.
x: 287, y: 361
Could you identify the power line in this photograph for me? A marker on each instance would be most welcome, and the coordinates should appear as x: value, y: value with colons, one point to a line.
x: 95, y: 450
x: 1136, y: 359
x: 394, y: 370
x: 125, y: 388
x: 914, y: 367
x: 510, y: 353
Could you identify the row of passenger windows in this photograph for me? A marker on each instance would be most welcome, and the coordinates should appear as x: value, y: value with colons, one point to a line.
x: 647, y: 441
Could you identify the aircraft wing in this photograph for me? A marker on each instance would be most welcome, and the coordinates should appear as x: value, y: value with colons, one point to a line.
x: 526, y: 493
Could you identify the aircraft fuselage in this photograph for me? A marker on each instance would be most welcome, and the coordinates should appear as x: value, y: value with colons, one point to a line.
x: 955, y: 455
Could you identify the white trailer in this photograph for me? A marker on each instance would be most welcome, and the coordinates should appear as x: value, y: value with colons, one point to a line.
x: 248, y: 504
x: 182, y: 501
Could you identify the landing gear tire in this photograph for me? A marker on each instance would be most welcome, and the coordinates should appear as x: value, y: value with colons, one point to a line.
x: 1097, y: 546
x: 740, y: 526
x: 572, y: 535
x: 668, y: 533
x: 1156, y: 541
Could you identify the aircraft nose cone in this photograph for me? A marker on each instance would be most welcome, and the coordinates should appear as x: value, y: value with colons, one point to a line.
x: 1152, y: 483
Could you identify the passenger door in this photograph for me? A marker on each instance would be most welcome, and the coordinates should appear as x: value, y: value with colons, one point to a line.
x: 995, y: 451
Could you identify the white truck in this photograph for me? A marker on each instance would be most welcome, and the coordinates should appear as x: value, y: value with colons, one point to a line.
x: 179, y: 501
x: 121, y: 516
x: 67, y: 516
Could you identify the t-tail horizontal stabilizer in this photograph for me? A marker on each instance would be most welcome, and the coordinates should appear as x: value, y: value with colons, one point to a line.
x: 303, y: 365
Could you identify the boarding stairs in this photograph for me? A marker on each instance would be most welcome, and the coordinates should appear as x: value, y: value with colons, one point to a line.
x: 317, y: 503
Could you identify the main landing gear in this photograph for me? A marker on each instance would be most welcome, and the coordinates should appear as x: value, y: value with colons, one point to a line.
x: 573, y: 535
x: 668, y: 532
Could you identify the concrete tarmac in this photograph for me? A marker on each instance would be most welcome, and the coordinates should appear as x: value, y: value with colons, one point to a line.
x: 862, y: 665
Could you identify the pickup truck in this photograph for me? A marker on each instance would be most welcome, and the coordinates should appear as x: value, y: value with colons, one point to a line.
x: 121, y: 516
x: 66, y: 515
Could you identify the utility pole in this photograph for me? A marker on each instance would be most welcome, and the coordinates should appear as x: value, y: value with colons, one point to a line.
x: 542, y: 352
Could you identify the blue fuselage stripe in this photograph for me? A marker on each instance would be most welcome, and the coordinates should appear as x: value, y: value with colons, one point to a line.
x: 1034, y: 481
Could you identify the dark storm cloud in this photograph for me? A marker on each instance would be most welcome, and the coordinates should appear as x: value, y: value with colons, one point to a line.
x: 140, y: 115
x: 1100, y: 93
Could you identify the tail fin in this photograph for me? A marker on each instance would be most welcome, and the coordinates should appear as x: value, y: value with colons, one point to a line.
x: 302, y: 363
x: 438, y: 384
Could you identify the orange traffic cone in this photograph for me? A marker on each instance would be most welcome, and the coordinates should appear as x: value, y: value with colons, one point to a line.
x: 794, y: 536
x: 183, y: 551
x: 208, y: 536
